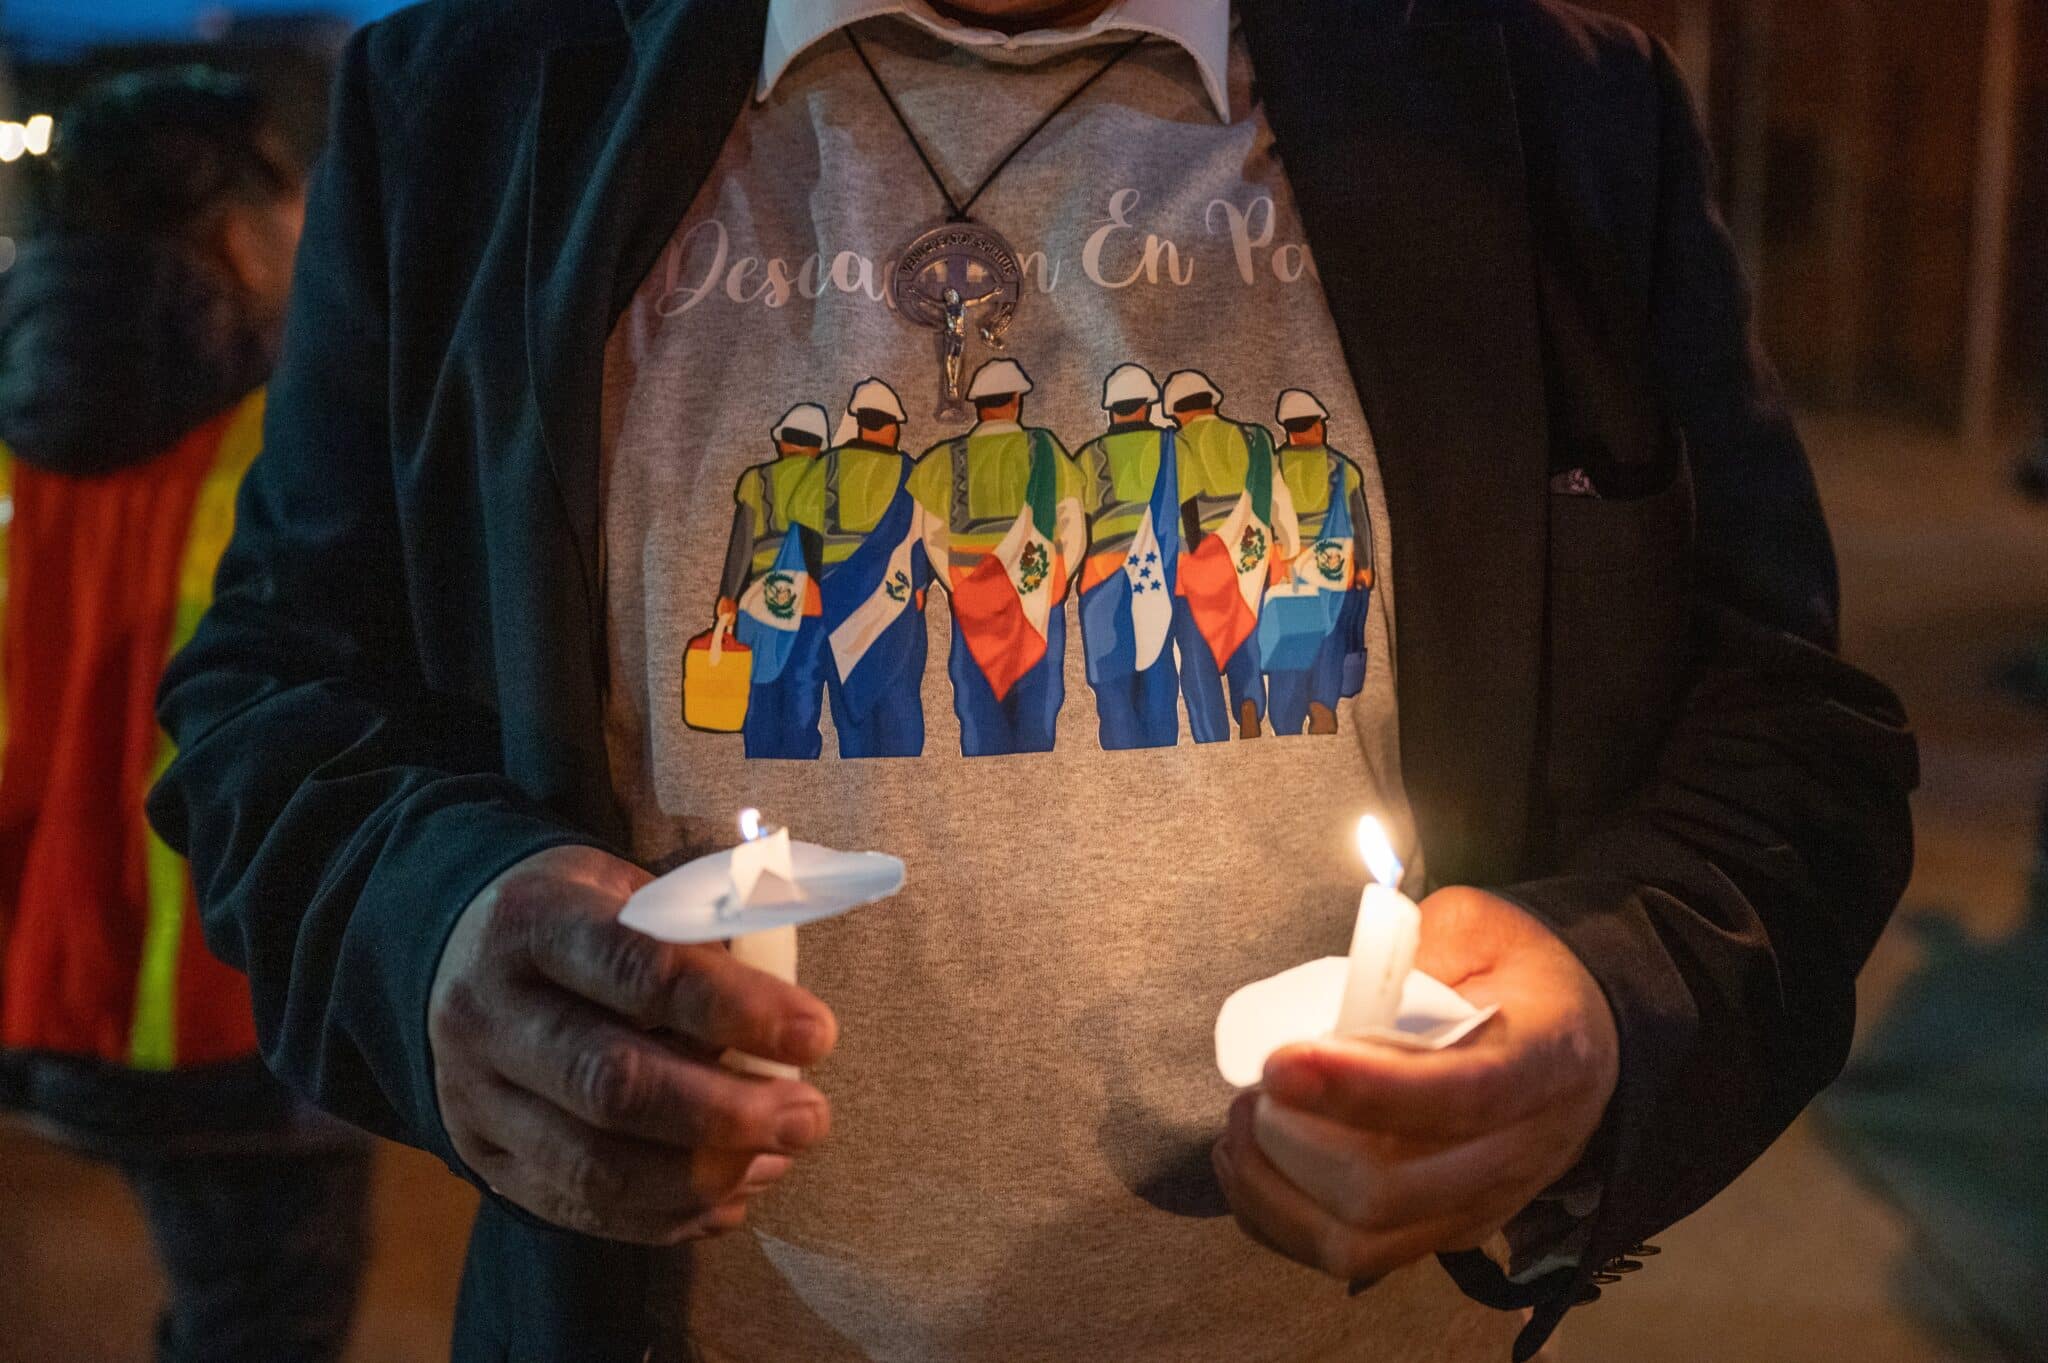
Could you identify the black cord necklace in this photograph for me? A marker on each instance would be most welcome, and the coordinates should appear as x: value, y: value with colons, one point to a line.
x: 960, y: 210
x: 963, y: 266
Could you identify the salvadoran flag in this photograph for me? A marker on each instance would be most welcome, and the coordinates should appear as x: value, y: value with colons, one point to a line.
x: 1002, y: 603
x: 1224, y: 578
x: 868, y: 593
x: 773, y: 608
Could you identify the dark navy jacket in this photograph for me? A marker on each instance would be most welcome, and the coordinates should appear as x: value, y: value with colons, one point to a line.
x: 1622, y: 711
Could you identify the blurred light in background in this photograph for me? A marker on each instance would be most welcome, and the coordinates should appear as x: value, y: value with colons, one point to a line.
x: 32, y: 137
x: 49, y: 25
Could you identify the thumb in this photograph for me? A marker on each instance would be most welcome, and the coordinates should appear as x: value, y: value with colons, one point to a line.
x: 1462, y: 934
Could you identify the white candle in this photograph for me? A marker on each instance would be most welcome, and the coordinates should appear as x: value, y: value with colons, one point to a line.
x: 775, y: 952
x: 1382, y: 940
x: 761, y: 869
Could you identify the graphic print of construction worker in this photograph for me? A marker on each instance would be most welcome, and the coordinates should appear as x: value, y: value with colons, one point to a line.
x: 872, y: 576
x: 1130, y: 482
x: 1005, y: 530
x: 1312, y: 628
x: 1239, y: 533
x: 768, y: 596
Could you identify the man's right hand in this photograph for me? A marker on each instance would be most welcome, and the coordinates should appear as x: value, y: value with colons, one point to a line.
x: 576, y: 1060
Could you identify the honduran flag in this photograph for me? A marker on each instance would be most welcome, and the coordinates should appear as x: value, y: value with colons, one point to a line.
x: 874, y: 600
x: 1127, y: 615
x: 1150, y: 568
x: 1001, y: 604
x: 1224, y: 578
x: 774, y: 608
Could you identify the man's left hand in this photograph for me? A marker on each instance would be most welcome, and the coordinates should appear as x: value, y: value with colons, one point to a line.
x: 1356, y: 1157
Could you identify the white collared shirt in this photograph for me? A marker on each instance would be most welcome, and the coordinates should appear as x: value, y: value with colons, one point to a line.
x: 1201, y: 27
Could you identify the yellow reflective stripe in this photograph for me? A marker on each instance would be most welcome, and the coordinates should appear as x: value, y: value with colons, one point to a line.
x: 213, y: 514
x: 6, y: 519
x: 153, y: 1034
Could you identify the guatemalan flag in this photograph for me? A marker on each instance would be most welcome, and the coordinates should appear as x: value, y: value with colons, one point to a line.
x: 774, y: 608
x: 1301, y: 611
x: 1224, y: 578
x: 1001, y: 604
x: 873, y: 603
x: 1126, y: 618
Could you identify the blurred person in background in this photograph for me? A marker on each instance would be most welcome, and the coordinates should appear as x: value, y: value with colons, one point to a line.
x: 135, y: 336
x: 2033, y: 465
x: 2026, y: 674
x: 2033, y: 470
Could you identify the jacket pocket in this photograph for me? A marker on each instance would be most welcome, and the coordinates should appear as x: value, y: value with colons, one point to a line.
x: 1617, y: 643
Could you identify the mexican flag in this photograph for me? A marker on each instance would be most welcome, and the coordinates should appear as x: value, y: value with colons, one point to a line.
x: 1001, y: 604
x: 1224, y: 577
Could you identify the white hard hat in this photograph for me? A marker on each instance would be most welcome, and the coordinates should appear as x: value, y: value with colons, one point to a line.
x: 1190, y: 383
x: 1129, y: 383
x: 999, y: 379
x: 846, y: 430
x: 806, y: 417
x: 1298, y: 404
x: 873, y: 394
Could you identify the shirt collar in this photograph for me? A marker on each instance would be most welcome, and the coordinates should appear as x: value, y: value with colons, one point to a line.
x: 1201, y: 27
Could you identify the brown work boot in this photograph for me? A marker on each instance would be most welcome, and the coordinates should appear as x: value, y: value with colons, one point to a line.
x: 1321, y: 719
x: 1248, y: 719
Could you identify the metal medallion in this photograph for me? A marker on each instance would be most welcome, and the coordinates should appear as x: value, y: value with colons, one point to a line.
x: 952, y: 279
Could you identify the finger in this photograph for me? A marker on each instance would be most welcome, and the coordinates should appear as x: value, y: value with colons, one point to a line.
x: 701, y: 992
x: 632, y: 1084
x: 731, y: 1214
x: 1282, y: 1217
x: 763, y: 1172
x: 1356, y: 1179
x: 596, y: 1182
x: 1490, y: 1081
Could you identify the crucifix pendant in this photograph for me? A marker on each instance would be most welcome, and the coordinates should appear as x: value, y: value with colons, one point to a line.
x: 957, y: 279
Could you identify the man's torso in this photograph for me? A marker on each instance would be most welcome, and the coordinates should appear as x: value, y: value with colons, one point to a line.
x: 1024, y: 1093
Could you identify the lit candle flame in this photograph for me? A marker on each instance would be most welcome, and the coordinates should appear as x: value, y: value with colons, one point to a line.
x: 1378, y: 852
x: 750, y: 824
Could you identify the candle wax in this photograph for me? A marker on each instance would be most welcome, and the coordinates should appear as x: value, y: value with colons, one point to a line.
x: 1382, y: 952
x: 764, y: 872
x: 773, y: 951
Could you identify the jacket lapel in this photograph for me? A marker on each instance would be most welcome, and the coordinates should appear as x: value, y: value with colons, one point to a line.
x: 1400, y: 140
x: 626, y: 132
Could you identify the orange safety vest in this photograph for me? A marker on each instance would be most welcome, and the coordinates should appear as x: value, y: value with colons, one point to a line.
x: 100, y: 952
